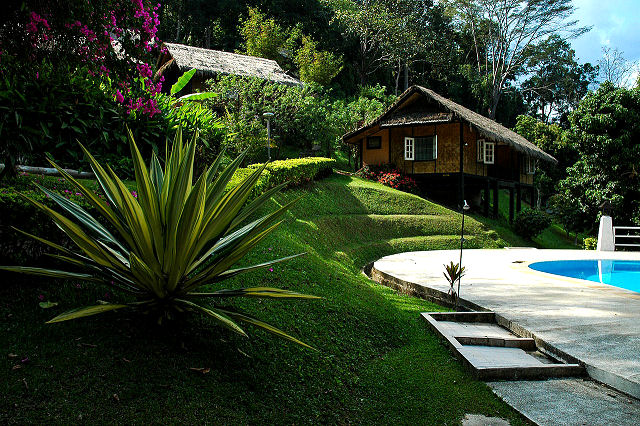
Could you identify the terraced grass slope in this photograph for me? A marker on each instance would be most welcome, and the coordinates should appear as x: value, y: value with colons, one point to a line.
x: 377, y: 362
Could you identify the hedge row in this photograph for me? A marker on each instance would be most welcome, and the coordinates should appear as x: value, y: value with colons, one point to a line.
x: 297, y: 171
x: 15, y: 211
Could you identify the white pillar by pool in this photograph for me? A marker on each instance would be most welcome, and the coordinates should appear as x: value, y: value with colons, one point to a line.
x: 605, y: 235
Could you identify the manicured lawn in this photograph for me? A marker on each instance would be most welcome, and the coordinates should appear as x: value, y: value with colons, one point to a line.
x: 377, y: 361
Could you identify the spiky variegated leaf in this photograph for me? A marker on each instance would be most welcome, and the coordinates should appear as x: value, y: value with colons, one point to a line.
x: 263, y: 325
x: 174, y: 237
x: 85, y: 312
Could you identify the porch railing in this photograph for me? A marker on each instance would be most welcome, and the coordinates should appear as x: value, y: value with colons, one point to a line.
x: 626, y: 236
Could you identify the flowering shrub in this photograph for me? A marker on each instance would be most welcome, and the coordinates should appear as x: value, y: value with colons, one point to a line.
x: 110, y: 39
x: 387, y: 175
x: 398, y: 181
x: 368, y: 173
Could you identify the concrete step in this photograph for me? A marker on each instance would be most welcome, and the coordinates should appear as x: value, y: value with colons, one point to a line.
x: 569, y: 402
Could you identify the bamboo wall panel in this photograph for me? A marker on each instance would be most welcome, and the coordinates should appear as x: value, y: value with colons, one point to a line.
x: 507, y: 160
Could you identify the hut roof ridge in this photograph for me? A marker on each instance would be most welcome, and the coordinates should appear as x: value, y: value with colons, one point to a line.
x: 209, y: 62
x: 485, y: 126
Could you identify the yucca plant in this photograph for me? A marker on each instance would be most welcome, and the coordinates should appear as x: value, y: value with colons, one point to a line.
x: 453, y: 272
x: 167, y: 243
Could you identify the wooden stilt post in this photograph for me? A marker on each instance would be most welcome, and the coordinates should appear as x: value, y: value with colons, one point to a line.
x: 461, y: 184
x: 518, y: 198
x: 511, y: 205
x: 496, y: 199
x: 487, y: 193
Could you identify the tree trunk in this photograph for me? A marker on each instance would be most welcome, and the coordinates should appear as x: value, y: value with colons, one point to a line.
x: 495, y: 99
x: 398, y: 78
x: 406, y: 76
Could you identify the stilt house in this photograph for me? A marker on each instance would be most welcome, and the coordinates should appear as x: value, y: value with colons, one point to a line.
x: 452, y: 152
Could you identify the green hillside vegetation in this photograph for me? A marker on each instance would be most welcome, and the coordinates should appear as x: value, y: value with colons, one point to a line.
x: 553, y: 237
x: 376, y: 359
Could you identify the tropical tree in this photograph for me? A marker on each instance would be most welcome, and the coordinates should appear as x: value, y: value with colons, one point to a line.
x: 502, y: 34
x: 552, y: 139
x: 557, y: 82
x: 373, y: 27
x: 606, y: 130
x: 615, y: 68
x: 316, y: 66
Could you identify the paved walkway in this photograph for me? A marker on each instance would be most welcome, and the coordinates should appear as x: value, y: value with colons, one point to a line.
x: 597, y: 324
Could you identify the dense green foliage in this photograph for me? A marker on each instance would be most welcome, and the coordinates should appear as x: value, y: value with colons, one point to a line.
x: 555, y: 141
x: 530, y: 223
x: 18, y: 249
x: 441, y: 45
x: 377, y: 361
x: 558, y: 82
x: 590, y: 243
x: 316, y: 66
x: 304, y: 117
x: 606, y: 129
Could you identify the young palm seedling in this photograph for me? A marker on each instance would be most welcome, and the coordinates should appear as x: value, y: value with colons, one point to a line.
x: 452, y: 273
x: 165, y: 245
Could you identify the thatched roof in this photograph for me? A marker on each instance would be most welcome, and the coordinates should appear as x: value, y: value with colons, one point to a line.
x: 413, y: 118
x: 209, y: 63
x: 485, y: 126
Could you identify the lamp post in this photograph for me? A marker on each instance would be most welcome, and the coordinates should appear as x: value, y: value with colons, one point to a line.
x: 465, y: 207
x: 268, y: 116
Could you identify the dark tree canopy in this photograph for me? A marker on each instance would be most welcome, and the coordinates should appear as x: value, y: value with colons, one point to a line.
x: 606, y: 129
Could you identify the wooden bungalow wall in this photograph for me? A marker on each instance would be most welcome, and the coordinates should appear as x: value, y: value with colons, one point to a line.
x: 448, y: 159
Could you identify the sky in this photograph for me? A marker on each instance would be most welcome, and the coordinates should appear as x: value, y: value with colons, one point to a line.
x: 615, y: 23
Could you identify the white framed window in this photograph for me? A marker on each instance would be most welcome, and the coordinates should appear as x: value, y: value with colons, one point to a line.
x: 409, y: 145
x: 489, y: 152
x: 480, y: 150
x: 529, y: 165
x: 425, y: 148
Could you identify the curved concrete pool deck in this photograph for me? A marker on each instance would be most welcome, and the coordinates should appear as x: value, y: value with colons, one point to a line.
x: 596, y: 324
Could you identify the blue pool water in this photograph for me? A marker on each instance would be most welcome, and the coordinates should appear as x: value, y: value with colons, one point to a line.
x: 619, y: 273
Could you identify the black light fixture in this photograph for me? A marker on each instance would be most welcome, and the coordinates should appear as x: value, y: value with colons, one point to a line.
x: 268, y: 116
x: 465, y: 208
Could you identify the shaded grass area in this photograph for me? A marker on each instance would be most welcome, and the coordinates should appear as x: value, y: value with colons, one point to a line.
x: 551, y: 238
x: 377, y: 361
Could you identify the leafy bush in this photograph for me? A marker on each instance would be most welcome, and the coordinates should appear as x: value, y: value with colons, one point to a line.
x: 45, y: 114
x: 398, y: 181
x: 172, y: 240
x: 299, y: 121
x: 530, y: 223
x: 15, y: 211
x: 590, y: 243
x: 388, y: 175
x: 261, y: 185
x: 298, y: 170
x: 606, y: 129
x: 317, y: 66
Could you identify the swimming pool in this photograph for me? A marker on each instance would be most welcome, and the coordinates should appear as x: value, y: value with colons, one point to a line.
x: 620, y: 273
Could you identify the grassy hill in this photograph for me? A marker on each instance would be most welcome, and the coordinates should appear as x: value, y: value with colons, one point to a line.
x: 377, y: 361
